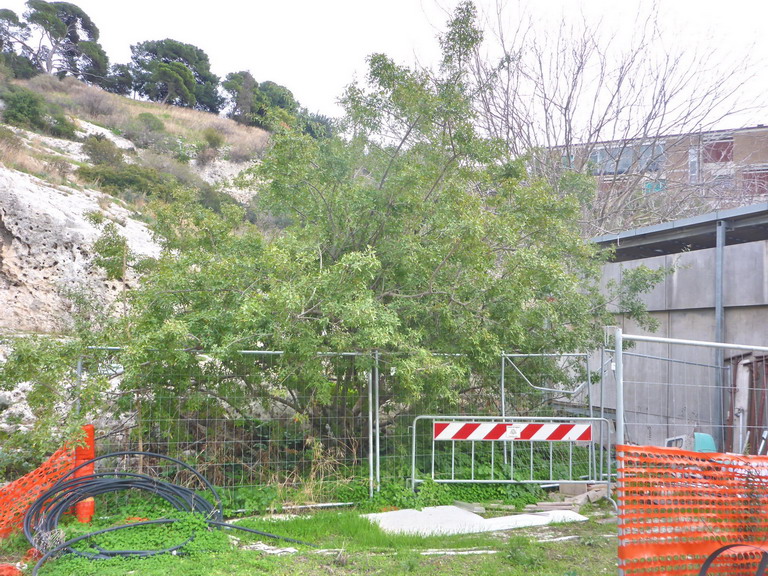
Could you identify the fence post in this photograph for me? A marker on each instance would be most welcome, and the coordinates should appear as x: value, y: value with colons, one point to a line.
x: 376, y: 381
x: 370, y: 434
x: 619, y: 360
x: 503, y: 399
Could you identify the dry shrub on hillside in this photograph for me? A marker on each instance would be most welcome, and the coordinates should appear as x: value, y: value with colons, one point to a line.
x: 240, y: 143
x: 58, y: 93
x: 14, y: 154
x: 247, y: 145
x: 46, y: 83
x: 167, y: 165
x: 57, y: 170
x: 96, y: 104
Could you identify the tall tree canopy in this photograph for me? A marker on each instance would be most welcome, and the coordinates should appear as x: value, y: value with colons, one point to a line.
x: 266, y: 105
x: 177, y: 73
x: 57, y: 37
x: 408, y: 234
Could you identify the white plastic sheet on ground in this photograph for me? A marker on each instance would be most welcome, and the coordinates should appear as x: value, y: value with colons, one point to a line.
x: 444, y: 520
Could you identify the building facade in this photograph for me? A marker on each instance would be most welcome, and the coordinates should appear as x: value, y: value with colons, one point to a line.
x: 645, y: 181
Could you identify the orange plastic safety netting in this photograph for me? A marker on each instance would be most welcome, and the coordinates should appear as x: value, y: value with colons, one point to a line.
x: 677, y: 507
x: 17, y: 496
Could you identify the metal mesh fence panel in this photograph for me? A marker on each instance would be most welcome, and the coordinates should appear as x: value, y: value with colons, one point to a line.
x: 671, y: 394
x: 330, y: 428
x: 683, y: 394
x: 252, y: 419
x: 547, y: 385
x: 531, y: 387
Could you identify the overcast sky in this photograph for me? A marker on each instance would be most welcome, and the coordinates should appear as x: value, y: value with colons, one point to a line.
x: 316, y: 47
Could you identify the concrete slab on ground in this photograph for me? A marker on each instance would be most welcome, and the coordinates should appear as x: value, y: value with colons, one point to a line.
x: 445, y: 520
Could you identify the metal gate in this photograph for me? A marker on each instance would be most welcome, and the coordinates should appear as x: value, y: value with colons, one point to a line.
x: 496, y: 449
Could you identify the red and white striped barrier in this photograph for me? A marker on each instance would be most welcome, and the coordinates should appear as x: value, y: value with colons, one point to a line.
x: 512, y: 431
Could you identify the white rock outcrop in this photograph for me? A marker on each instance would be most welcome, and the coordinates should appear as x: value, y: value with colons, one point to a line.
x: 46, y: 251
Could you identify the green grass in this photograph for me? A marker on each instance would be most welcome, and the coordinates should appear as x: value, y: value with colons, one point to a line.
x: 347, y: 545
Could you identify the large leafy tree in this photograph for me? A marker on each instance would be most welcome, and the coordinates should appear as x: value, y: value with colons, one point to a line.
x: 245, y: 100
x: 408, y: 234
x: 266, y: 105
x: 119, y: 80
x: 177, y: 73
x: 58, y: 38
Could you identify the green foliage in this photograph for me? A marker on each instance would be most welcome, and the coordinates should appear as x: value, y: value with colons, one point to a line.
x: 391, y: 495
x: 518, y: 495
x: 60, y: 126
x: 626, y: 294
x: 267, y: 105
x: 395, y: 495
x: 355, y: 490
x: 526, y: 554
x: 213, y: 138
x: 9, y: 139
x: 57, y: 38
x: 42, y: 370
x: 20, y: 66
x: 112, y: 252
x: 175, y: 72
x: 119, y: 80
x: 409, y: 238
x: 146, y: 131
x: 127, y: 179
x: 101, y: 150
x: 190, y: 529
x: 251, y: 500
x: 316, y: 125
x: 408, y: 233
x: 151, y: 122
x: 176, y: 82
x: 25, y: 109
x: 368, y: 550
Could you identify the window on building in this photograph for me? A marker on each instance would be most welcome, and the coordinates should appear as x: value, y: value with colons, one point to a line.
x: 756, y: 182
x: 723, y: 184
x: 693, y: 166
x: 624, y: 159
x: 718, y: 150
x: 650, y: 157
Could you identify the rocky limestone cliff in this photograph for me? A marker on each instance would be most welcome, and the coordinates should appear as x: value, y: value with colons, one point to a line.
x: 46, y: 250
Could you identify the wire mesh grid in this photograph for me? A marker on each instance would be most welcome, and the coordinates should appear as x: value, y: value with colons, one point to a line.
x: 497, y: 449
x: 249, y: 420
x: 681, y: 395
x: 400, y: 400
x: 262, y: 418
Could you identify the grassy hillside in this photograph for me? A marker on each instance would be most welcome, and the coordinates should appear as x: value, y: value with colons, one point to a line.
x: 169, y: 144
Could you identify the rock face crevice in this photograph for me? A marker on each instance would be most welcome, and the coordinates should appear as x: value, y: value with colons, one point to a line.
x: 46, y: 244
x: 6, y: 240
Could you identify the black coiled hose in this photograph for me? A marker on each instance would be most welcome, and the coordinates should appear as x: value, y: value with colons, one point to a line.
x: 44, y: 514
